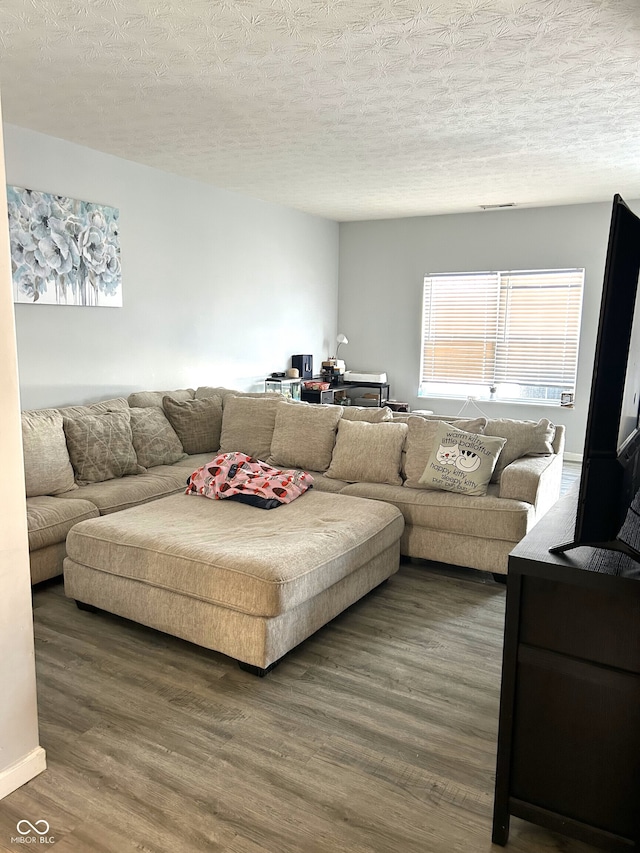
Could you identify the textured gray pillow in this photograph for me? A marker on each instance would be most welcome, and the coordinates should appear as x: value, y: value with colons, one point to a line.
x: 117, y: 404
x: 101, y: 446
x: 369, y: 414
x: 524, y: 438
x: 141, y: 399
x: 419, y: 444
x: 247, y: 425
x: 154, y: 439
x: 204, y: 391
x: 368, y: 452
x: 304, y: 436
x: 461, y: 461
x: 197, y: 423
x: 47, y: 467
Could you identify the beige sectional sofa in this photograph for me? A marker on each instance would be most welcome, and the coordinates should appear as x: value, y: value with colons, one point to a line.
x: 86, y: 461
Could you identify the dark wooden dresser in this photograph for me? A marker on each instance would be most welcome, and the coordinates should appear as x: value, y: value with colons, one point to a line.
x: 569, y: 738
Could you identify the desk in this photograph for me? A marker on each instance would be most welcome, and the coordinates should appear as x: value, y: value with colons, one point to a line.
x: 338, y: 391
x: 382, y: 389
x: 327, y: 396
x: 569, y: 738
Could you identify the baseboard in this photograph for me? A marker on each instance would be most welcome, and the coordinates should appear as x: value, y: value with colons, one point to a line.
x: 573, y: 457
x: 22, y: 771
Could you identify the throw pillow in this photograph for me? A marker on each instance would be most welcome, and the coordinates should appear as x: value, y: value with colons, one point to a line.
x: 154, y: 439
x: 204, y: 391
x: 461, y: 461
x: 304, y: 436
x: 141, y: 399
x: 524, y: 438
x: 420, y: 441
x: 368, y: 452
x: 370, y: 414
x: 117, y: 404
x: 101, y: 446
x: 197, y: 423
x: 47, y: 467
x: 247, y: 425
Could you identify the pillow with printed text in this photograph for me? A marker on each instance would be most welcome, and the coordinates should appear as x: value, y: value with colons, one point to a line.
x: 460, y: 461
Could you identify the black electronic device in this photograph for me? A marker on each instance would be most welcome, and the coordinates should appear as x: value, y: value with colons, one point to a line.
x: 331, y: 373
x: 304, y: 365
x: 611, y: 461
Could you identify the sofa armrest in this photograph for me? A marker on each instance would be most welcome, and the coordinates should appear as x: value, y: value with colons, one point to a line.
x: 558, y: 439
x: 534, y: 479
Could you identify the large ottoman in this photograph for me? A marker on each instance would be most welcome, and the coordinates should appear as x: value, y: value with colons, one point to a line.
x: 247, y: 582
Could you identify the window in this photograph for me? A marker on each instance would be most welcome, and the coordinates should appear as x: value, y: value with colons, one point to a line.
x: 508, y: 335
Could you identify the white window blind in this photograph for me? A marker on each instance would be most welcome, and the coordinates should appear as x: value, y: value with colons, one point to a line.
x: 511, y: 331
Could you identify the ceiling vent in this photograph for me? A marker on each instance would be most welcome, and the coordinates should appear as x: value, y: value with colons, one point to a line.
x: 497, y: 206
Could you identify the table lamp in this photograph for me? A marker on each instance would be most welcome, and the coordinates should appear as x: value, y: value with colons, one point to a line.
x: 341, y: 339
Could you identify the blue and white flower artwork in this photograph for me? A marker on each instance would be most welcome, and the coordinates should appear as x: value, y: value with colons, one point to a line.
x: 63, y: 251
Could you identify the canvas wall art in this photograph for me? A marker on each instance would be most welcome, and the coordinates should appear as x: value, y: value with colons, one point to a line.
x: 63, y: 251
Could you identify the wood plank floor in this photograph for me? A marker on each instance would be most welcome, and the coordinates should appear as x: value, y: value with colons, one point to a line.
x: 570, y: 475
x: 376, y: 735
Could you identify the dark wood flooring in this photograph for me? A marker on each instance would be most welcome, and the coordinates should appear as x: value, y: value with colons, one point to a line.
x: 570, y: 475
x: 376, y: 735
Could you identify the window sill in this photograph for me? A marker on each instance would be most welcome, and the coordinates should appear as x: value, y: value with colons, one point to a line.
x: 483, y: 401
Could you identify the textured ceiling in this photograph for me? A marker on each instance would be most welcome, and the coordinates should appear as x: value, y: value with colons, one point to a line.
x: 350, y: 109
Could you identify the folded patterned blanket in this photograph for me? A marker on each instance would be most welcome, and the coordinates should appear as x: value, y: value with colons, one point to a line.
x: 243, y: 478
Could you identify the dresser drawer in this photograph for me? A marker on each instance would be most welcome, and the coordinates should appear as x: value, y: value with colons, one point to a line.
x: 590, y: 624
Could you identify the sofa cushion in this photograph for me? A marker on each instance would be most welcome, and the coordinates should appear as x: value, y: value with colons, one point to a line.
x: 247, y: 425
x: 47, y: 467
x: 486, y: 517
x: 193, y: 461
x: 181, y: 470
x: 322, y: 483
x: 368, y: 452
x: 154, y: 439
x: 524, y: 438
x: 304, y: 436
x: 461, y: 461
x: 177, y: 474
x: 45, y: 563
x: 370, y: 414
x: 124, y: 492
x: 101, y: 446
x: 49, y: 519
x: 140, y: 399
x: 197, y: 422
x: 419, y: 444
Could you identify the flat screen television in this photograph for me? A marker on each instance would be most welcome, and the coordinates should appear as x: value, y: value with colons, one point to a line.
x: 607, y: 504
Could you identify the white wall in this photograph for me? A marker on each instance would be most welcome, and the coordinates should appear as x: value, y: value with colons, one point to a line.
x: 382, y: 267
x: 21, y: 757
x: 218, y: 288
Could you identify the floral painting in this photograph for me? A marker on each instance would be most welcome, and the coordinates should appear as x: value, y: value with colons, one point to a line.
x: 63, y: 251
